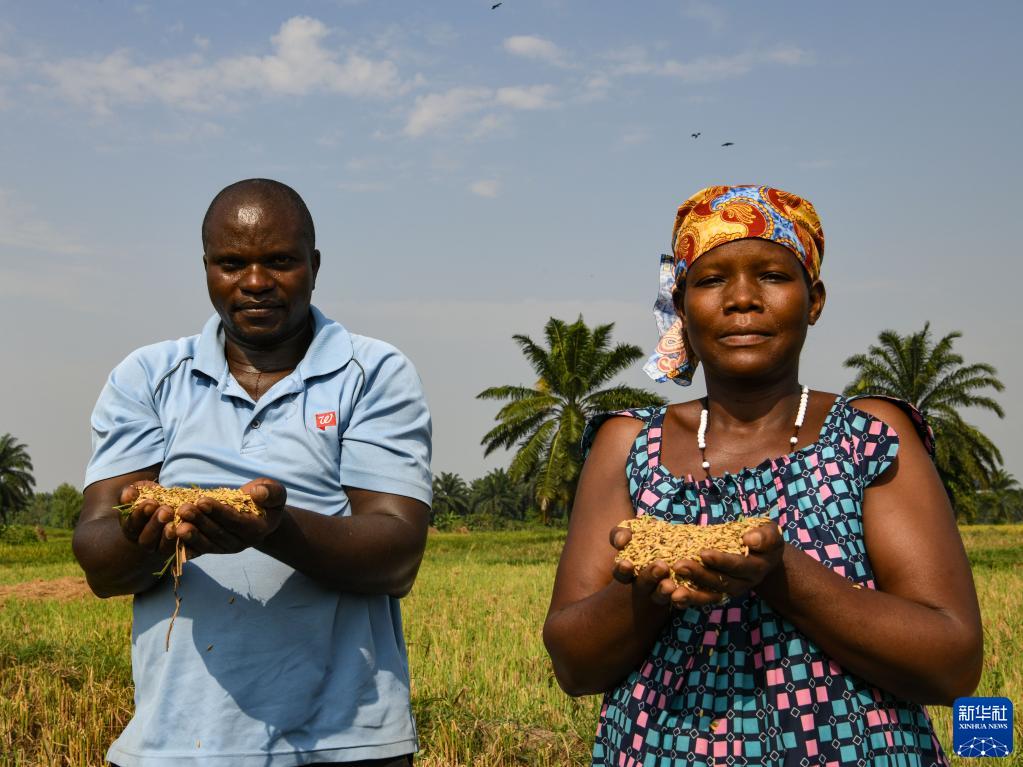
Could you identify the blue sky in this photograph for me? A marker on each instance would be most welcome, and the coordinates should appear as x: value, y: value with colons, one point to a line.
x: 473, y: 172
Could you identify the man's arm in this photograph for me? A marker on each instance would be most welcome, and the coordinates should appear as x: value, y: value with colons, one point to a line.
x: 377, y: 550
x: 120, y: 557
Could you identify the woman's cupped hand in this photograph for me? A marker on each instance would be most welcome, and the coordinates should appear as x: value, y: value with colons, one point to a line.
x: 715, y: 579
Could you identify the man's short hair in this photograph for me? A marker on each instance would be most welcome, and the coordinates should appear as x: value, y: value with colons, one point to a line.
x: 265, y: 189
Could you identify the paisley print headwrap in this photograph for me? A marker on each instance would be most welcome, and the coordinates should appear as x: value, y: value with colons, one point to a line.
x: 712, y: 217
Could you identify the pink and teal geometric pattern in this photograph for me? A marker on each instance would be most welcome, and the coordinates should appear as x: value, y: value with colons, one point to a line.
x: 737, y: 684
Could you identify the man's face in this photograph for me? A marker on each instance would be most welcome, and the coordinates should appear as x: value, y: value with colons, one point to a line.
x: 260, y: 271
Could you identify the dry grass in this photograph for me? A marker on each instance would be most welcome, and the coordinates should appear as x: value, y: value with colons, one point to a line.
x: 483, y: 691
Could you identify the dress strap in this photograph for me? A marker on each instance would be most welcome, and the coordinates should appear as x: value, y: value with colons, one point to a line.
x: 652, y: 416
x: 923, y: 429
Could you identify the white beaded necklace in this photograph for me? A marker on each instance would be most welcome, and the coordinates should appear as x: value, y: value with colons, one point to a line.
x: 701, y: 433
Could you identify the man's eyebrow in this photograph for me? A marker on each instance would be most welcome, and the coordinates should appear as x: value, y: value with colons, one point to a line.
x: 222, y: 256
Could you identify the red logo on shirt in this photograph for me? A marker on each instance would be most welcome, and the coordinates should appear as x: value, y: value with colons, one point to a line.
x: 323, y: 420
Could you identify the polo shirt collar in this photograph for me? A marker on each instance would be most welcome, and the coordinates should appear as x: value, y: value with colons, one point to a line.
x: 331, y: 349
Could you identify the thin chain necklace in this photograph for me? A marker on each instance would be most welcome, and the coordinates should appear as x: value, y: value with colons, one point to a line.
x: 701, y: 433
x: 249, y: 370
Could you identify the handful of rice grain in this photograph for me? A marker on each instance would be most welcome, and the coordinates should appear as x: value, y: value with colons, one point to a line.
x: 175, y: 497
x: 654, y: 539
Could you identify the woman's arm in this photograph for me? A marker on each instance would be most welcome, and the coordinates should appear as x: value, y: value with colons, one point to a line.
x: 919, y: 635
x: 599, y: 629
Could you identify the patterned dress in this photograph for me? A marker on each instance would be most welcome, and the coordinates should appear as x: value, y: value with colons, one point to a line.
x: 737, y: 684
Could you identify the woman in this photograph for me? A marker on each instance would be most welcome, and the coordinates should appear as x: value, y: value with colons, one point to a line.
x: 851, y: 612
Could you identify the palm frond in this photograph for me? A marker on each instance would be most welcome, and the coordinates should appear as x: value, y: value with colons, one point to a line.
x: 544, y: 422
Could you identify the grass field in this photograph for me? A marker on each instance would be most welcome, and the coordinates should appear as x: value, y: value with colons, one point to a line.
x: 483, y: 690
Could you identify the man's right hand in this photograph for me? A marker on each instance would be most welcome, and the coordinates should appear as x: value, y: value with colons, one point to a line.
x: 144, y: 524
x: 121, y: 553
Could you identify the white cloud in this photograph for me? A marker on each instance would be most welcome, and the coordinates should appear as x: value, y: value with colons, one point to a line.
x: 8, y: 69
x: 362, y: 187
x: 331, y: 138
x: 9, y: 66
x: 202, y: 43
x: 712, y: 15
x: 21, y: 227
x: 441, y: 35
x: 636, y: 136
x: 790, y: 56
x: 529, y: 97
x: 635, y: 61
x: 594, y: 88
x: 708, y: 69
x: 489, y: 125
x: 485, y: 187
x: 300, y: 63
x: 532, y: 47
x: 197, y: 131
x: 437, y: 110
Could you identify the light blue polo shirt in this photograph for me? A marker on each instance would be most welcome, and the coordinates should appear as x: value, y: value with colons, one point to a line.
x: 266, y: 667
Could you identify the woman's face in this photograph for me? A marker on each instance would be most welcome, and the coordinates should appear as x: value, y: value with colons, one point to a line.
x: 746, y: 306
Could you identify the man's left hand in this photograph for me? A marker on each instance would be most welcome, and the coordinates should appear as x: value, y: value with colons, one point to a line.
x: 213, y: 527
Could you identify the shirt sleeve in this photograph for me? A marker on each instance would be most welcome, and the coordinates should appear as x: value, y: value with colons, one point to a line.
x: 126, y: 431
x: 386, y: 445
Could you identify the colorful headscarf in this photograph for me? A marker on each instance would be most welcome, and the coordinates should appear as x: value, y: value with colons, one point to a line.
x: 712, y: 217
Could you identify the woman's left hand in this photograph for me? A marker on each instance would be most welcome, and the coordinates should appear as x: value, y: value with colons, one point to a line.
x: 722, y: 575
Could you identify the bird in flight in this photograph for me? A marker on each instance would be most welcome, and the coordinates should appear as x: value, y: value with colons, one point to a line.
x: 695, y: 135
x: 729, y: 143
x: 495, y: 6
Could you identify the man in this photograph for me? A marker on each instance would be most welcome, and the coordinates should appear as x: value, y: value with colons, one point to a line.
x: 288, y: 648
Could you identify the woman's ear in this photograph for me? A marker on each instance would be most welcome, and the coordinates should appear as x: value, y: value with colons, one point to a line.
x: 818, y: 295
x: 678, y: 297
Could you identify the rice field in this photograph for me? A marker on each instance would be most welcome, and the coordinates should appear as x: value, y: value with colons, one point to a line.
x: 483, y: 691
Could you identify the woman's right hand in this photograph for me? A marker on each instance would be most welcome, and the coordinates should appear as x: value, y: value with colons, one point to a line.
x: 654, y: 581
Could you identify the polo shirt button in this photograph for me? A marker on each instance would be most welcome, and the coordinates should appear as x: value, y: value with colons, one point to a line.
x: 255, y: 424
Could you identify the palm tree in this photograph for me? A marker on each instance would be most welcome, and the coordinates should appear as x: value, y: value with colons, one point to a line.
x: 932, y: 377
x: 546, y: 420
x: 499, y: 495
x: 1002, y: 500
x: 16, y: 480
x: 450, y: 496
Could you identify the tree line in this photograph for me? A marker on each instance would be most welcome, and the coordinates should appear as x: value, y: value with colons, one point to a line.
x: 543, y: 423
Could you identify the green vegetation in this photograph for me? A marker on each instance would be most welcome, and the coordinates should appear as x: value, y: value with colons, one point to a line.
x: 1000, y: 502
x: 495, y: 501
x: 933, y: 378
x: 545, y: 421
x: 57, y: 509
x: 16, y: 480
x: 483, y: 691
